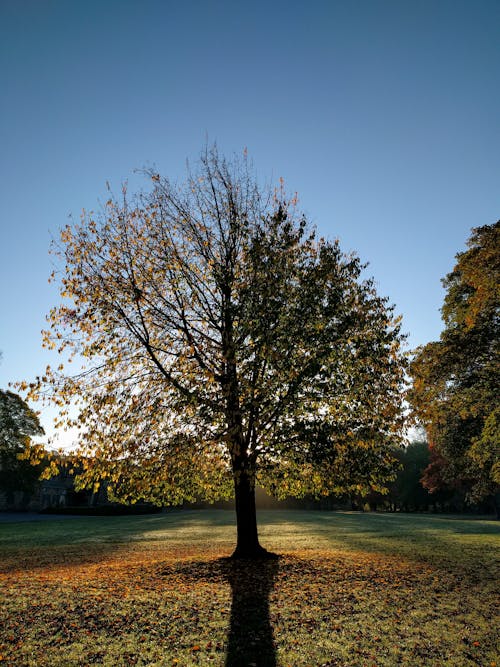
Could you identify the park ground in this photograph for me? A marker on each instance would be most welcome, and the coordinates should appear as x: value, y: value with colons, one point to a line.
x: 349, y: 589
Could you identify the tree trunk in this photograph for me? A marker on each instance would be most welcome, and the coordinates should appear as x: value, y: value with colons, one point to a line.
x: 247, y: 545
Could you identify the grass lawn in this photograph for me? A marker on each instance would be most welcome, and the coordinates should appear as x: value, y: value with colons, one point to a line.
x: 350, y: 589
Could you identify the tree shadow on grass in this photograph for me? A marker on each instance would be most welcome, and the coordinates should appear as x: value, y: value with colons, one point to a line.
x: 250, y: 640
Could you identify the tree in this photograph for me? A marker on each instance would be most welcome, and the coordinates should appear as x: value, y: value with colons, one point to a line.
x: 407, y: 491
x: 455, y: 380
x: 18, y: 424
x: 226, y: 345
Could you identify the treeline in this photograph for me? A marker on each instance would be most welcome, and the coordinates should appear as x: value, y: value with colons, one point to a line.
x: 410, y: 493
x: 407, y: 493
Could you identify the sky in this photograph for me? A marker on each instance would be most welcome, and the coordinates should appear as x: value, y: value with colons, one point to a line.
x: 382, y: 114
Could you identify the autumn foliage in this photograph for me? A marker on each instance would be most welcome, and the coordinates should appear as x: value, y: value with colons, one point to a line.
x: 224, y: 345
x: 456, y: 379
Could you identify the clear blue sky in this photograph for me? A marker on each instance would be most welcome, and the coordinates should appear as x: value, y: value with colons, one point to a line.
x: 382, y: 114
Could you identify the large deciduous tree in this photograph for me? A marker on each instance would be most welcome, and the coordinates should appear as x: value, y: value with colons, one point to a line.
x: 225, y: 345
x: 455, y: 380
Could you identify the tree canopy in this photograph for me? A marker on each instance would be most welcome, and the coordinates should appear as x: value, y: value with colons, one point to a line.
x: 456, y: 379
x: 225, y: 345
x: 18, y: 424
x: 407, y: 490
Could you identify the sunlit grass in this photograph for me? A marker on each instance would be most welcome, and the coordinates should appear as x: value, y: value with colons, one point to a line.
x: 351, y: 589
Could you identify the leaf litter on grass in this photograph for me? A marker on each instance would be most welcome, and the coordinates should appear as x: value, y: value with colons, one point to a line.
x: 186, y: 606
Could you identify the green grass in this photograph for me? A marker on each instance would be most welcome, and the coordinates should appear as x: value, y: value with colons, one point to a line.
x: 350, y: 589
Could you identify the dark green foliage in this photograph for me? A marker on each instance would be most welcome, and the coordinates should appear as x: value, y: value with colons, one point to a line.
x: 407, y: 489
x: 18, y: 423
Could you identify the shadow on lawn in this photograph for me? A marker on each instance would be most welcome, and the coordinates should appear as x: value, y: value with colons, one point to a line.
x: 440, y: 539
x: 39, y: 542
x: 250, y: 638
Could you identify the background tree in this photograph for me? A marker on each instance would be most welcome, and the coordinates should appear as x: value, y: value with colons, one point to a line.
x: 407, y: 491
x: 18, y: 424
x: 455, y: 380
x: 226, y: 345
